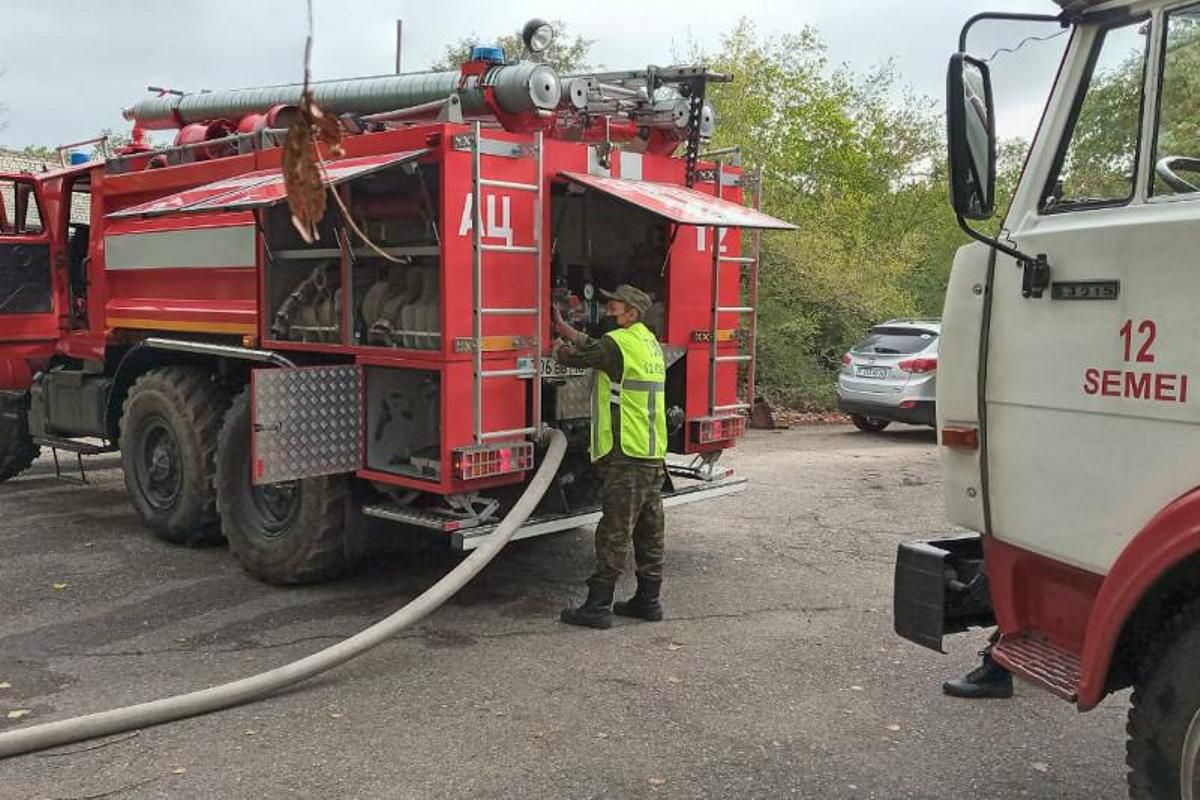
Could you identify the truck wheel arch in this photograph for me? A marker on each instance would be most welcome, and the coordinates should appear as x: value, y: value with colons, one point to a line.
x: 151, y: 353
x: 1153, y: 575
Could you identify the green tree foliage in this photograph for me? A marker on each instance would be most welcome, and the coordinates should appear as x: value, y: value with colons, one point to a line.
x: 115, y: 140
x: 566, y: 53
x: 861, y: 177
x: 38, y: 151
x: 1099, y: 161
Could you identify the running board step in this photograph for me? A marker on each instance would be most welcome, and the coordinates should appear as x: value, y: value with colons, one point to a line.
x: 74, y: 445
x: 422, y: 519
x: 79, y: 448
x: 553, y: 523
x: 1033, y: 657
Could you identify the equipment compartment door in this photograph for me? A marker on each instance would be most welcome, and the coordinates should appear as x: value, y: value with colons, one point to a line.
x: 307, y: 422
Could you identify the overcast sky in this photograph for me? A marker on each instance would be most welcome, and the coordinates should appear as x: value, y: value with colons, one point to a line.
x: 71, y: 65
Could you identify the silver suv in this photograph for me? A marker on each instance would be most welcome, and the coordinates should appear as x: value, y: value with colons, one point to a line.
x: 890, y: 375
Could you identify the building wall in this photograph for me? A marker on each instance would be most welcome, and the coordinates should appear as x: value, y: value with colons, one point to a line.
x: 14, y: 161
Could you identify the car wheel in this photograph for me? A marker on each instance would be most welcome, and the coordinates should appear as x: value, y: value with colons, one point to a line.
x: 869, y: 424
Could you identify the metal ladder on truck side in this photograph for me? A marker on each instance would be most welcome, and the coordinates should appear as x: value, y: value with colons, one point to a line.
x: 750, y: 264
x: 482, y: 312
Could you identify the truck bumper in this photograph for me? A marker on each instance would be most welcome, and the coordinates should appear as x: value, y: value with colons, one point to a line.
x: 940, y: 588
x: 470, y: 538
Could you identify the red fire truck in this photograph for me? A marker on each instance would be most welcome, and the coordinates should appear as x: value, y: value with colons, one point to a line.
x: 279, y: 393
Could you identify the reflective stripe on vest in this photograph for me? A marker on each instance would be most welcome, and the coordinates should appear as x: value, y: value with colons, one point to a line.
x: 640, y: 398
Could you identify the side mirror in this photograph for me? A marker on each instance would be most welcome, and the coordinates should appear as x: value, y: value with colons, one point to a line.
x: 971, y: 135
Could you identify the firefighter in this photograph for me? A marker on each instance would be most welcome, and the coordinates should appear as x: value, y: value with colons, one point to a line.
x: 628, y: 445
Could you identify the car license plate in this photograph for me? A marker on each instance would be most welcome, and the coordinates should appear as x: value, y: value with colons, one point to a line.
x: 872, y: 372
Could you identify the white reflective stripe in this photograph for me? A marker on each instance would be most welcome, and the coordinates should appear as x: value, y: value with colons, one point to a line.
x: 652, y: 407
x: 595, y: 414
x: 186, y: 248
x: 631, y: 166
x: 645, y: 386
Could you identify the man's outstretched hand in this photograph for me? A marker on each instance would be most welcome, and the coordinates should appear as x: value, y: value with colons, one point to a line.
x: 562, y: 328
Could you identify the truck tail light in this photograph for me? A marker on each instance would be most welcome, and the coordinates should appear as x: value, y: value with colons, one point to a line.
x: 918, y: 365
x: 962, y: 437
x: 718, y: 429
x: 486, y: 460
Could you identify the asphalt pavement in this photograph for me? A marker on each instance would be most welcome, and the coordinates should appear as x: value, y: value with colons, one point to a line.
x: 775, y: 673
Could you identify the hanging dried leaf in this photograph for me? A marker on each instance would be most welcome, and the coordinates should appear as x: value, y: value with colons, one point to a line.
x: 302, y: 174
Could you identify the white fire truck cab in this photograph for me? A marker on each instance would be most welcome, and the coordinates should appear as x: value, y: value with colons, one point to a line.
x: 1069, y: 385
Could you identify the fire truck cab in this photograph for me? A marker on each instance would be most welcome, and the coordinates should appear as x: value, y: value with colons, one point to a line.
x: 1068, y: 413
x: 279, y: 387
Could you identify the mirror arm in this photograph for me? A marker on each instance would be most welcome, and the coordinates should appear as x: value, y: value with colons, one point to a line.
x: 1061, y: 19
x: 1036, y: 269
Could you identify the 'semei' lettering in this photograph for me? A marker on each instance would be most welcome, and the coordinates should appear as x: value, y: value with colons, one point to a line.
x: 1160, y: 387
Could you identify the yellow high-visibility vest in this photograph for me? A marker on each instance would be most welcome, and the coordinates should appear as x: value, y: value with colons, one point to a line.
x: 640, y: 396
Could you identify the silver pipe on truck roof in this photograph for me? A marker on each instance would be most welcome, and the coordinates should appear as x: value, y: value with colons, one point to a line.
x: 521, y: 88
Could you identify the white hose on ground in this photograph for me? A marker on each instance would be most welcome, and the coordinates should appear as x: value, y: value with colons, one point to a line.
x: 168, y: 709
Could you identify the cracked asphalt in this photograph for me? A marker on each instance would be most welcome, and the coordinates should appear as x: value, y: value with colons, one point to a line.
x: 775, y: 673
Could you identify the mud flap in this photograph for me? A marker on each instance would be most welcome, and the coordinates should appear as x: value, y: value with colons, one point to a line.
x: 940, y: 588
x: 306, y: 422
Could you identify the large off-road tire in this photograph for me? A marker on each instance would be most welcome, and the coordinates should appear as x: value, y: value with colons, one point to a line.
x: 17, y: 450
x: 169, y: 429
x: 1164, y: 714
x: 869, y: 424
x: 288, y: 533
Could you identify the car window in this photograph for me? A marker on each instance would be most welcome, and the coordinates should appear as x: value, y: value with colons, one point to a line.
x: 896, y: 341
x: 1177, y: 134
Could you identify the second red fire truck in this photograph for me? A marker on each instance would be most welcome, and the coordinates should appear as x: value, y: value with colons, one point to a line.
x: 278, y: 392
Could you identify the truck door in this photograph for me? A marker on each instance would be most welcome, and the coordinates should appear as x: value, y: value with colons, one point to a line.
x: 26, y: 287
x: 1093, y: 389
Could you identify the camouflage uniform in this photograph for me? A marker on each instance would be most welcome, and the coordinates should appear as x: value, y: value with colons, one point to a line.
x: 631, y: 498
x: 633, y: 509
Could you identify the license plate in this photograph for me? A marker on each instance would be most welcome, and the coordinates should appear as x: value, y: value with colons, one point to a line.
x: 553, y: 369
x: 872, y: 372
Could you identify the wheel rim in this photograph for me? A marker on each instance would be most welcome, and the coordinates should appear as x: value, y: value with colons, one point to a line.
x: 1189, y: 753
x: 160, y: 469
x: 276, y: 505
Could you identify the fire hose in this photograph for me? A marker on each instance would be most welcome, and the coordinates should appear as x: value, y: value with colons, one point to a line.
x: 227, y: 695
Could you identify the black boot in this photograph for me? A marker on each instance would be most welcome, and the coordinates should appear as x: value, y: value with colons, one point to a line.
x: 596, y: 611
x: 989, y: 679
x: 645, y: 603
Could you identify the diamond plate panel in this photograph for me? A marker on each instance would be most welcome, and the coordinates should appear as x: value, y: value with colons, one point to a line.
x: 307, y: 422
x: 573, y: 398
